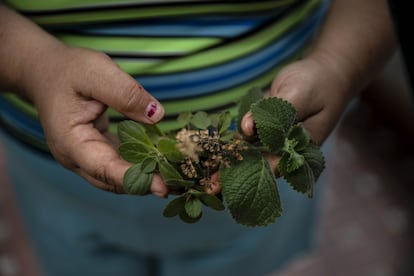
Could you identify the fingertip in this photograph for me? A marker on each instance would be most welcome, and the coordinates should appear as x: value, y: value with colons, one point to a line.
x: 248, y: 125
x: 154, y: 111
x: 158, y: 187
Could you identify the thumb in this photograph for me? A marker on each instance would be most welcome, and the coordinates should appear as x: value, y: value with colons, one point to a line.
x: 120, y: 91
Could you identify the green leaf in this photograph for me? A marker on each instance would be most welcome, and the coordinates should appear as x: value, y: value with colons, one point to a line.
x: 136, y: 181
x: 292, y: 158
x: 274, y: 117
x: 212, y: 201
x: 168, y: 147
x: 227, y: 136
x: 225, y: 122
x: 187, y: 219
x: 304, y: 178
x: 130, y: 131
x: 300, y: 135
x: 154, y: 133
x: 254, y: 95
x: 184, y: 118
x: 249, y: 189
x: 175, y: 207
x: 193, y: 207
x: 200, y: 120
x: 170, y: 174
x: 134, y: 152
x: 214, y: 119
x: 149, y: 164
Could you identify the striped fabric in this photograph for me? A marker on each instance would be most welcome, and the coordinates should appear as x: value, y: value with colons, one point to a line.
x: 191, y: 55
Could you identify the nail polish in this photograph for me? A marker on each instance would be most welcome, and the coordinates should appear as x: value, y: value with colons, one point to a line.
x: 151, y: 109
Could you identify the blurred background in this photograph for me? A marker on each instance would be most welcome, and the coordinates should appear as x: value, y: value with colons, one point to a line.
x: 365, y: 221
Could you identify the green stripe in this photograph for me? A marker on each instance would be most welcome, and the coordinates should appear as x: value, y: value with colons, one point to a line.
x: 169, y: 125
x: 33, y: 5
x: 237, y: 49
x: 22, y: 105
x: 155, y: 11
x: 149, y: 45
x: 134, y: 66
x: 28, y: 139
x: 179, y: 106
x: 217, y: 99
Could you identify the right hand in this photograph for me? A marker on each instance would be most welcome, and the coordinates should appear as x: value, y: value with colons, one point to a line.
x: 71, y: 89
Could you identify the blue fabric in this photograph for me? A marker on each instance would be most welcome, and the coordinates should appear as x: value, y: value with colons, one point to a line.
x: 80, y: 230
x: 224, y: 76
x: 215, y: 26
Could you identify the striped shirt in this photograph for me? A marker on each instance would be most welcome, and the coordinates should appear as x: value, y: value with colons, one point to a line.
x: 190, y: 55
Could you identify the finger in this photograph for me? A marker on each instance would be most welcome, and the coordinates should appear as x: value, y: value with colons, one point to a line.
x: 306, y: 104
x: 273, y: 161
x: 213, y: 186
x: 248, y: 125
x: 319, y: 126
x: 113, y: 87
x: 100, y: 164
x: 102, y: 125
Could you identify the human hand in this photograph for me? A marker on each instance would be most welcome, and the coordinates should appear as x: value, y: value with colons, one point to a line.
x: 71, y: 89
x: 318, y: 92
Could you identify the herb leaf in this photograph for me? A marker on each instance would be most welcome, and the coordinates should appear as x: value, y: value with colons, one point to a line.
x: 168, y: 147
x: 193, y: 207
x: 171, y: 176
x: 273, y: 117
x: 249, y: 189
x: 175, y: 207
x: 136, y: 181
x: 255, y: 94
x: 294, y: 159
x: 186, y: 218
x: 299, y: 134
x: 224, y: 122
x: 212, y: 202
x: 201, y: 120
x: 304, y: 178
x: 184, y: 118
x: 130, y: 131
x: 134, y: 152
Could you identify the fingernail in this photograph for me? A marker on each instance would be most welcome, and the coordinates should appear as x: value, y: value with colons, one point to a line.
x: 154, y: 111
x: 248, y: 127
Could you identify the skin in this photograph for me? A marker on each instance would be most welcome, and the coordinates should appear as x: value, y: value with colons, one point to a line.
x: 354, y: 42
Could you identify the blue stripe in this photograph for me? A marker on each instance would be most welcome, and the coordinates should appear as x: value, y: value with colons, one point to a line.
x: 206, y: 26
x: 210, y: 80
x: 15, y: 118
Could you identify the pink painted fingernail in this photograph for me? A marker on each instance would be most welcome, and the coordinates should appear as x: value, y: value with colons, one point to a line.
x: 151, y: 109
x: 154, y: 112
